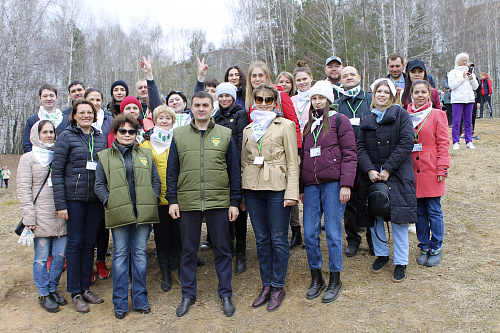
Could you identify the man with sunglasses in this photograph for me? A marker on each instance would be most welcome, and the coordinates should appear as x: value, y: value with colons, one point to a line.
x: 204, y: 180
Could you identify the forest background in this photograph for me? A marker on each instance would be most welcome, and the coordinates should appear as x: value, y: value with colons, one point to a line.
x: 49, y: 41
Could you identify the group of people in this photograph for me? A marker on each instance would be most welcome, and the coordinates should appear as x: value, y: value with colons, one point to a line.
x: 4, y: 177
x: 244, y: 148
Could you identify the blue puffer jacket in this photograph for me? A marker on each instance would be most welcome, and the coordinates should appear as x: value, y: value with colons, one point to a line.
x: 31, y: 121
x: 70, y: 177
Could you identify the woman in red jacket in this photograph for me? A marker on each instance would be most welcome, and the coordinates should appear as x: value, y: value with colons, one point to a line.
x: 431, y: 161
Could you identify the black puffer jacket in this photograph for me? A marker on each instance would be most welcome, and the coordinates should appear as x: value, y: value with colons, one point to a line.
x: 70, y: 177
x: 388, y: 144
x: 236, y: 119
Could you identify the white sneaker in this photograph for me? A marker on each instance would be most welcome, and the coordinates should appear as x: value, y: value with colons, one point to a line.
x: 470, y: 145
x: 456, y: 146
x: 412, y: 228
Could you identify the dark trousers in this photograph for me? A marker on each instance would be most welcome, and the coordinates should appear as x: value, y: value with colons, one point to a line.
x: 217, y: 221
x: 485, y: 99
x: 237, y: 229
x: 167, y: 233
x: 449, y: 114
x: 102, y: 241
x: 83, y: 227
x: 353, y: 238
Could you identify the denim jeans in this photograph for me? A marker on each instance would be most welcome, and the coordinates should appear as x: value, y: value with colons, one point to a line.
x: 270, y: 222
x: 129, y: 242
x: 323, y: 199
x: 47, y: 282
x: 400, y: 240
x: 83, y: 227
x: 430, y: 220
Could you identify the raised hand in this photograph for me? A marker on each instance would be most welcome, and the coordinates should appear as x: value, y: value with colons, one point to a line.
x: 146, y: 65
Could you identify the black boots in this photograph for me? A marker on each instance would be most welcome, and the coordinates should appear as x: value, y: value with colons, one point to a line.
x: 296, y: 237
x: 166, y: 276
x: 241, y: 259
x: 317, y: 284
x: 334, y: 288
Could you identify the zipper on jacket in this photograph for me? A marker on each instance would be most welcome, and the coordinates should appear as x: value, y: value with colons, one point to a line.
x: 202, y: 172
x: 77, y: 180
x: 128, y: 185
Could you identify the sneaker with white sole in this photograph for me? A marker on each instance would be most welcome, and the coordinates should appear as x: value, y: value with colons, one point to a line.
x: 456, y: 146
x: 470, y: 145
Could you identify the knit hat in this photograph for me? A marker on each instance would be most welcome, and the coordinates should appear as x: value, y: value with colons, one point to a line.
x: 119, y: 83
x: 129, y: 100
x: 226, y: 88
x: 323, y: 88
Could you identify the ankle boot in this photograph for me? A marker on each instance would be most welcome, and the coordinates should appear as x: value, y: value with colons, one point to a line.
x: 166, y: 276
x: 241, y: 259
x: 296, y: 237
x: 334, y: 288
x: 317, y: 284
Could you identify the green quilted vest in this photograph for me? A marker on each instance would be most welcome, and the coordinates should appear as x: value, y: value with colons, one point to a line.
x: 203, y: 180
x: 119, y: 210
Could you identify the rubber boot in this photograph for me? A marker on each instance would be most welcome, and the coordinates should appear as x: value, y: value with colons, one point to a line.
x: 317, y: 284
x: 166, y: 276
x: 241, y: 259
x: 334, y: 288
x: 296, y: 237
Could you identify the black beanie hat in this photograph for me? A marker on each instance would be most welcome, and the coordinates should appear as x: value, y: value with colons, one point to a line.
x: 119, y: 83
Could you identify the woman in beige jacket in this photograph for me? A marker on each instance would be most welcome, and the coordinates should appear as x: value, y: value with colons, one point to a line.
x: 41, y: 217
x: 270, y: 181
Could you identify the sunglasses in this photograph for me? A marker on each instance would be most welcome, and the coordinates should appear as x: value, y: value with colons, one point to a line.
x: 267, y: 100
x: 123, y: 131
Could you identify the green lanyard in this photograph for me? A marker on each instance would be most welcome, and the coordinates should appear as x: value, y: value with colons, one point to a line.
x: 418, y: 131
x: 91, y: 147
x: 396, y: 83
x: 259, y: 145
x: 50, y: 169
x: 315, y: 136
x: 357, y: 107
x: 303, y: 108
x: 145, y: 113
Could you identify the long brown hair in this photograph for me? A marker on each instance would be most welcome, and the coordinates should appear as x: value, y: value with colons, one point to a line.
x: 249, y: 88
x: 326, y: 119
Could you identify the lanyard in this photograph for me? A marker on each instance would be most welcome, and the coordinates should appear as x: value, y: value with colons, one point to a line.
x: 418, y: 131
x: 396, y: 83
x: 259, y: 145
x: 357, y: 107
x: 50, y: 169
x: 305, y: 104
x: 145, y: 113
x: 91, y: 147
x: 315, y: 136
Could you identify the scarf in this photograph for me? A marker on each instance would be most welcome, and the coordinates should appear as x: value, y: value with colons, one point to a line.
x: 100, y: 119
x: 181, y: 119
x: 161, y: 139
x: 44, y: 156
x: 261, y: 121
x: 302, y: 100
x: 56, y: 118
x: 379, y: 114
x: 352, y: 92
x: 418, y: 115
x: 461, y: 68
x: 317, y: 121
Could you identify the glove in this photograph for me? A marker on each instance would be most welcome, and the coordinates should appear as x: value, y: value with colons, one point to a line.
x: 26, y: 237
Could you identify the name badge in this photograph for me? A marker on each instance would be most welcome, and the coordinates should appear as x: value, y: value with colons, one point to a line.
x: 49, y: 181
x: 355, y: 121
x: 302, y: 122
x: 417, y: 147
x: 259, y: 160
x: 314, y: 152
x: 91, y: 165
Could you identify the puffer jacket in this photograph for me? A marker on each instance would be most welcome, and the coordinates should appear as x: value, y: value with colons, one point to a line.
x: 236, y: 120
x: 30, y: 177
x: 462, y: 89
x: 70, y: 176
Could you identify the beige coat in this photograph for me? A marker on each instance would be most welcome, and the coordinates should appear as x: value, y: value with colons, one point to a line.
x: 281, y: 167
x: 30, y: 176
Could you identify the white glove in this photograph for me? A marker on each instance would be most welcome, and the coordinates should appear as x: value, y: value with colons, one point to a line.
x: 26, y: 237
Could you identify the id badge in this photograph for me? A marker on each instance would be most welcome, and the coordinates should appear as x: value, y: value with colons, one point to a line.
x: 355, y: 121
x: 314, y: 152
x: 259, y: 160
x: 91, y: 165
x: 417, y: 147
x: 302, y: 122
x: 49, y: 181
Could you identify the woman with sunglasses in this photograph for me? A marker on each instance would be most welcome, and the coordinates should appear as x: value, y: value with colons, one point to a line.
x: 128, y: 184
x: 270, y: 180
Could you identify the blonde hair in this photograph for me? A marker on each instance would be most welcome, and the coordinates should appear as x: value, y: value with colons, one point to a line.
x: 249, y: 92
x: 392, y: 100
x: 289, y: 76
x: 164, y: 109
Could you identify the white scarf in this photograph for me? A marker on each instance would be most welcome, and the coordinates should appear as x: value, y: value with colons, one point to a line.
x: 181, y: 119
x: 44, y: 156
x: 302, y: 100
x: 461, y: 68
x: 352, y: 92
x: 261, y: 121
x: 161, y: 139
x: 56, y: 118
x: 100, y: 119
x: 318, y: 121
x: 418, y: 117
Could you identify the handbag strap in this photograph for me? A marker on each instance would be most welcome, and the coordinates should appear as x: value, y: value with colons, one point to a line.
x: 40, y: 190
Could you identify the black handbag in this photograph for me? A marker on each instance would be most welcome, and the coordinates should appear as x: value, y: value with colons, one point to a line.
x: 378, y: 202
x: 20, y: 226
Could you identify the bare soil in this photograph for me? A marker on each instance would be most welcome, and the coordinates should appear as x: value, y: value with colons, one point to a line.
x: 462, y: 294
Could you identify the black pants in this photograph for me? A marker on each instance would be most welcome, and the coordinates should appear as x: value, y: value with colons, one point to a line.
x: 218, y: 225
x: 237, y: 229
x: 167, y: 233
x: 486, y: 99
x: 102, y: 241
x: 449, y: 113
x: 353, y: 238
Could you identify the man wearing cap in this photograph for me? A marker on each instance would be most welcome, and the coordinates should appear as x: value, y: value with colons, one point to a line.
x: 76, y: 90
x: 395, y: 66
x: 355, y: 103
x: 333, y: 67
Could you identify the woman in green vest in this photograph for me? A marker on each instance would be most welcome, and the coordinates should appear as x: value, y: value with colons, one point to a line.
x: 128, y: 185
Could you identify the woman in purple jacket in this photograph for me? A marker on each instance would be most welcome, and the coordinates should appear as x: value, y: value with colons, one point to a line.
x: 327, y: 174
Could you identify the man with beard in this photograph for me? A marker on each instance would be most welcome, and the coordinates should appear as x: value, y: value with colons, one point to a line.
x: 333, y: 67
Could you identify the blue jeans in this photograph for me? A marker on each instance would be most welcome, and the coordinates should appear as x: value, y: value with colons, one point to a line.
x: 400, y: 240
x: 318, y: 200
x: 270, y: 222
x: 430, y: 220
x: 129, y: 242
x: 47, y: 282
x: 83, y: 227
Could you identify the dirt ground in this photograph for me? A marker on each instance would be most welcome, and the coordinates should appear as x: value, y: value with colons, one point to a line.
x: 462, y: 294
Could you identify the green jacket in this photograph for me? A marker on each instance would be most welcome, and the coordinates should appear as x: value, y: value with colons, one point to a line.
x: 119, y: 209
x: 203, y: 181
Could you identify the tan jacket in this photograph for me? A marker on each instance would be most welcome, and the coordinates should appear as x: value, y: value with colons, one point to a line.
x: 281, y: 166
x: 30, y: 176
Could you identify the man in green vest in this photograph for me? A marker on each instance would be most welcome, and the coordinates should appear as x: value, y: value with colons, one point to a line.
x: 204, y: 180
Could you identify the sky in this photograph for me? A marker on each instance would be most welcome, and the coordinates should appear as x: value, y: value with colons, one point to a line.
x: 212, y: 16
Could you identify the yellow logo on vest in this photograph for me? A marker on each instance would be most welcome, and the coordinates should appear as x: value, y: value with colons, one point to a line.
x: 216, y: 141
x: 144, y: 161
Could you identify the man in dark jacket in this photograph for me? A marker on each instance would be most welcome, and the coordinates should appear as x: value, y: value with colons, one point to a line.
x: 204, y: 180
x: 355, y: 103
x: 76, y: 90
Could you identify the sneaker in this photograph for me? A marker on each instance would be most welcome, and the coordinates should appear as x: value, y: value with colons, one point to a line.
x: 379, y: 264
x: 206, y: 246
x: 462, y: 137
x: 476, y: 137
x: 456, y: 146
x: 412, y: 228
x: 49, y: 261
x: 92, y: 277
x: 102, y: 269
x: 423, y: 257
x: 399, y: 273
x: 470, y: 145
x: 434, y: 258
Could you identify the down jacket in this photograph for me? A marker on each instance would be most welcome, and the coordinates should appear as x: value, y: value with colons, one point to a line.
x: 236, y: 120
x: 388, y: 145
x: 462, y: 89
x: 70, y: 176
x: 30, y: 177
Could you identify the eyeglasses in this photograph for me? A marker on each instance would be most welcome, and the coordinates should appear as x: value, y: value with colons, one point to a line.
x: 123, y: 131
x: 267, y: 100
